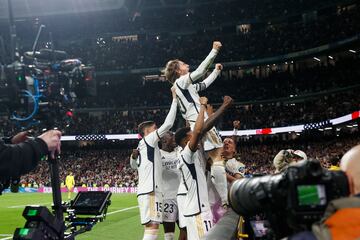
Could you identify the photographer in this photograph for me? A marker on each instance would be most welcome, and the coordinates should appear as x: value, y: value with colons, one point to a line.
x: 20, y: 154
x: 342, y: 216
x: 284, y: 158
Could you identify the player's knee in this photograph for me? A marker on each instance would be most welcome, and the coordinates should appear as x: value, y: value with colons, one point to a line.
x: 169, y: 227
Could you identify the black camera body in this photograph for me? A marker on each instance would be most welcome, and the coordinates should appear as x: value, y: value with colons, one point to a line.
x: 291, y: 201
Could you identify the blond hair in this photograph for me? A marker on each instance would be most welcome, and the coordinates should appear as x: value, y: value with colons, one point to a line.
x: 170, y: 70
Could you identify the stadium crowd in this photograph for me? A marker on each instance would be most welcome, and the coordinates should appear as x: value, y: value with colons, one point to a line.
x: 92, y: 167
x: 281, y: 98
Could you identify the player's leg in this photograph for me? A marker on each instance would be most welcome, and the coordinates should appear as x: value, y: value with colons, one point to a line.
x: 151, y: 231
x: 169, y: 230
x: 181, y: 219
x: 182, y: 234
x: 197, y: 226
x: 213, y: 148
x: 70, y: 189
x: 150, y: 215
x: 170, y: 216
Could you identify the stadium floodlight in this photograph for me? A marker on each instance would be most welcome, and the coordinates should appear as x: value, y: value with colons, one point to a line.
x: 317, y: 59
x: 331, y: 57
x: 352, y: 51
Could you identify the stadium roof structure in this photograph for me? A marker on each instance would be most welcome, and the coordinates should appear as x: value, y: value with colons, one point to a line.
x: 38, y: 8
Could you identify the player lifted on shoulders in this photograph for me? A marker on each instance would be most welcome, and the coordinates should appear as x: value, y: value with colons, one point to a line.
x: 149, y: 166
x: 177, y: 73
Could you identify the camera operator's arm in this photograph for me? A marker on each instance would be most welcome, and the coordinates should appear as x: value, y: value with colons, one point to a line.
x: 18, y: 138
x: 279, y: 161
x: 21, y: 158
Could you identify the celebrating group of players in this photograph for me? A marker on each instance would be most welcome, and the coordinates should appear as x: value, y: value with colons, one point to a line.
x: 186, y: 181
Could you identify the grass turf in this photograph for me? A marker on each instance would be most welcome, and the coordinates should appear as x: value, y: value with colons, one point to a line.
x: 119, y: 224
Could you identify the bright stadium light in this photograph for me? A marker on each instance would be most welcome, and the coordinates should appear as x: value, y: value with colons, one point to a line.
x: 331, y: 57
x: 352, y: 51
x: 317, y: 59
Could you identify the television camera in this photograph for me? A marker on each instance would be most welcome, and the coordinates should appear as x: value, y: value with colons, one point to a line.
x: 280, y: 205
x: 41, y: 224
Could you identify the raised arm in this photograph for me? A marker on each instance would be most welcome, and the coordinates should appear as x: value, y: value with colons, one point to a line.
x: 196, y: 135
x: 170, y: 118
x: 133, y: 159
x: 210, y: 79
x: 202, y: 68
x: 212, y: 120
x: 236, y: 125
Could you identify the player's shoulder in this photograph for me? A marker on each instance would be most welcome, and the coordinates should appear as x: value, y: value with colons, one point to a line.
x: 183, y: 80
x: 186, y: 152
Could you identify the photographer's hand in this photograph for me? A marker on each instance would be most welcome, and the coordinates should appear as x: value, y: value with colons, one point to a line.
x: 20, y: 137
x: 52, y: 140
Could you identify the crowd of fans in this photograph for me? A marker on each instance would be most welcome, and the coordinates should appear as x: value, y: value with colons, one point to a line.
x: 281, y: 98
x: 242, y: 85
x: 111, y: 167
x: 139, y: 101
x: 90, y: 168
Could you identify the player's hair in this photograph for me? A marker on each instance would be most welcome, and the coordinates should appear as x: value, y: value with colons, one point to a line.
x: 143, y: 125
x: 170, y: 70
x: 162, y: 140
x: 181, y: 134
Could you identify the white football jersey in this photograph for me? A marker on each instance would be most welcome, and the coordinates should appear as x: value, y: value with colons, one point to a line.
x: 196, y: 200
x: 149, y: 160
x: 149, y: 165
x: 187, y: 90
x: 170, y: 173
x: 233, y: 166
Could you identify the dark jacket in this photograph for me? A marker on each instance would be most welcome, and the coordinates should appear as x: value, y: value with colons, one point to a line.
x: 18, y: 159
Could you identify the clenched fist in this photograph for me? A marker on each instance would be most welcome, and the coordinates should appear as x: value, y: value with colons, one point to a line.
x: 228, y: 101
x: 203, y: 101
x: 135, y: 154
x: 217, y: 45
x: 236, y: 124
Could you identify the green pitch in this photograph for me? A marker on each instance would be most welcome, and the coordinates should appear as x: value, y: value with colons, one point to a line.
x: 122, y: 222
